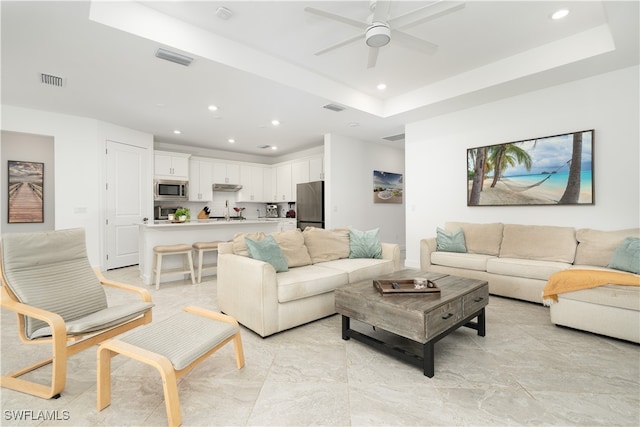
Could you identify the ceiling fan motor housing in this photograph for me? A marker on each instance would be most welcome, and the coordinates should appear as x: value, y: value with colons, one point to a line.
x: 378, y: 34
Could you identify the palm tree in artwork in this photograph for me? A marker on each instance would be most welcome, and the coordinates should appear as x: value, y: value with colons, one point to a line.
x: 505, y: 155
x: 478, y: 160
x: 572, y: 191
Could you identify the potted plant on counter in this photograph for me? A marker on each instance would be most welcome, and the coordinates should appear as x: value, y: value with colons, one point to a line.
x: 183, y: 214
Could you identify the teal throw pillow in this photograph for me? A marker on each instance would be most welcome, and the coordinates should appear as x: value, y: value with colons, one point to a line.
x: 450, y: 241
x: 267, y: 250
x: 365, y: 244
x: 626, y: 257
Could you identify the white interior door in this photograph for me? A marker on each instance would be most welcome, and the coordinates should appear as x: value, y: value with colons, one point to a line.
x: 126, y: 169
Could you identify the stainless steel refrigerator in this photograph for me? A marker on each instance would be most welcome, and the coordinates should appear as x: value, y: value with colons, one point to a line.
x: 310, y: 204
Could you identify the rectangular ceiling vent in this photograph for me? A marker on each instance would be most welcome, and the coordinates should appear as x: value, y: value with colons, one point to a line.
x: 394, y: 138
x: 264, y: 147
x: 178, y: 58
x: 50, y: 79
x: 334, y: 107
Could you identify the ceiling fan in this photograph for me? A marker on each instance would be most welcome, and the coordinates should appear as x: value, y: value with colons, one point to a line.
x: 380, y: 28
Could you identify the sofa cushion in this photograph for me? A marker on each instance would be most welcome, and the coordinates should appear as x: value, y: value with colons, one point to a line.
x: 479, y: 238
x: 365, y: 244
x: 538, y: 242
x: 360, y: 269
x: 518, y: 267
x: 267, y: 250
x: 450, y: 241
x: 620, y: 296
x: 307, y: 281
x: 596, y: 247
x: 240, y: 246
x: 627, y: 256
x: 459, y: 260
x: 326, y: 245
x: 292, y: 244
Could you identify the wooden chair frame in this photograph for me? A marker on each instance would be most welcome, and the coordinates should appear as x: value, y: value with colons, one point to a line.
x: 59, y: 338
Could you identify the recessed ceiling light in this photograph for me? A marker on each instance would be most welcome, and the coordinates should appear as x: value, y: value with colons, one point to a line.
x: 231, y: 140
x: 381, y: 86
x: 559, y: 14
x: 212, y: 108
x: 177, y: 132
x: 274, y: 148
x: 275, y: 122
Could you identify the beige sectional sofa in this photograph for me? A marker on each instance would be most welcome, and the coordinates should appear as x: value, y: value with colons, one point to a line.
x: 267, y: 301
x: 517, y: 260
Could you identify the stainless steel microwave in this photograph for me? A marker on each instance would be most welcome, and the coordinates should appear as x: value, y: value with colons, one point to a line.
x: 170, y: 191
x: 163, y: 212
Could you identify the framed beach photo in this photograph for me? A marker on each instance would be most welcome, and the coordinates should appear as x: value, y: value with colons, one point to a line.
x: 552, y: 170
x: 387, y: 187
x: 26, y: 192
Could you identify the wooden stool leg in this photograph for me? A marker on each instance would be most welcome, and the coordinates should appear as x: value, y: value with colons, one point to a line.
x: 171, y: 399
x: 193, y: 276
x: 158, y: 269
x: 200, y: 257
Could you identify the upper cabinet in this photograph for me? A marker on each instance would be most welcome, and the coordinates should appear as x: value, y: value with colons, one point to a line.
x: 252, y: 181
x: 226, y: 173
x: 200, y: 181
x: 283, y: 190
x: 316, y: 169
x: 169, y: 165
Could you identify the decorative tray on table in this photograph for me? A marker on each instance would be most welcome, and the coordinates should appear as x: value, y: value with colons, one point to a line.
x: 406, y: 287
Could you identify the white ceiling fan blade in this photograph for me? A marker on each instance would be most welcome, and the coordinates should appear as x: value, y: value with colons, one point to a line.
x: 373, y: 57
x: 424, y: 14
x: 414, y: 42
x: 381, y: 12
x: 337, y: 45
x: 334, y: 17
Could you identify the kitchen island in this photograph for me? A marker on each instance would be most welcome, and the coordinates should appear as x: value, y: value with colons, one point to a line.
x: 189, y: 232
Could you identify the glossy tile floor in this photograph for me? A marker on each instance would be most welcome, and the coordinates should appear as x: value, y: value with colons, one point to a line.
x: 524, y: 372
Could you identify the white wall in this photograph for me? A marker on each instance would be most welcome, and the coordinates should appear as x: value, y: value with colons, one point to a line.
x: 349, y: 166
x: 79, y: 166
x: 435, y: 153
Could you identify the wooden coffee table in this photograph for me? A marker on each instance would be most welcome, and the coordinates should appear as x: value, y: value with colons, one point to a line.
x: 421, y: 318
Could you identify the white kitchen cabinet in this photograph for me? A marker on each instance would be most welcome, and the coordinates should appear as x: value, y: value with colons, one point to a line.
x: 316, y: 169
x: 226, y: 173
x: 171, y: 165
x: 251, y: 179
x: 284, y: 191
x: 200, y: 181
x: 288, y: 224
x: 268, y: 184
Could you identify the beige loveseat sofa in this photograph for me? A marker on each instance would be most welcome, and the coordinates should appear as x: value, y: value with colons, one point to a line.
x: 267, y: 301
x: 517, y: 260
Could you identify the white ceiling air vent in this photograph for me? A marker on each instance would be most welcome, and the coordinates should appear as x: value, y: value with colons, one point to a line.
x: 334, y: 107
x: 50, y: 79
x: 178, y: 58
x: 393, y: 138
x: 264, y: 147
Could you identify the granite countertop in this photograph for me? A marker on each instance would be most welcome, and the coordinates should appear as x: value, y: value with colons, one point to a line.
x: 211, y: 221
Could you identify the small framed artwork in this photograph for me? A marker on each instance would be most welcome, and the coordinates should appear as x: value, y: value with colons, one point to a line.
x: 387, y: 187
x: 26, y: 192
x: 551, y: 170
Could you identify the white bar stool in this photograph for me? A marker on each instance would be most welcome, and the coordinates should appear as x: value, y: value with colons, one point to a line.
x: 201, y: 248
x: 180, y: 249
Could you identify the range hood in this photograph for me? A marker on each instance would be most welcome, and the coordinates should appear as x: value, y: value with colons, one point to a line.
x: 227, y: 187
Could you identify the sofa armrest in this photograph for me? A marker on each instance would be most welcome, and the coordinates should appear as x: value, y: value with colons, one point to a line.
x: 247, y: 291
x: 392, y: 251
x: 427, y: 247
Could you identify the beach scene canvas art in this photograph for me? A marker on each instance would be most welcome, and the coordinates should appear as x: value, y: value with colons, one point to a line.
x: 553, y: 170
x: 387, y: 187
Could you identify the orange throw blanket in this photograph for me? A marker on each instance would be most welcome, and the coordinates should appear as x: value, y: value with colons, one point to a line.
x: 574, y: 280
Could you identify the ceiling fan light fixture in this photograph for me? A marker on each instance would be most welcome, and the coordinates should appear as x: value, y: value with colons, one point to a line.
x: 378, y: 35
